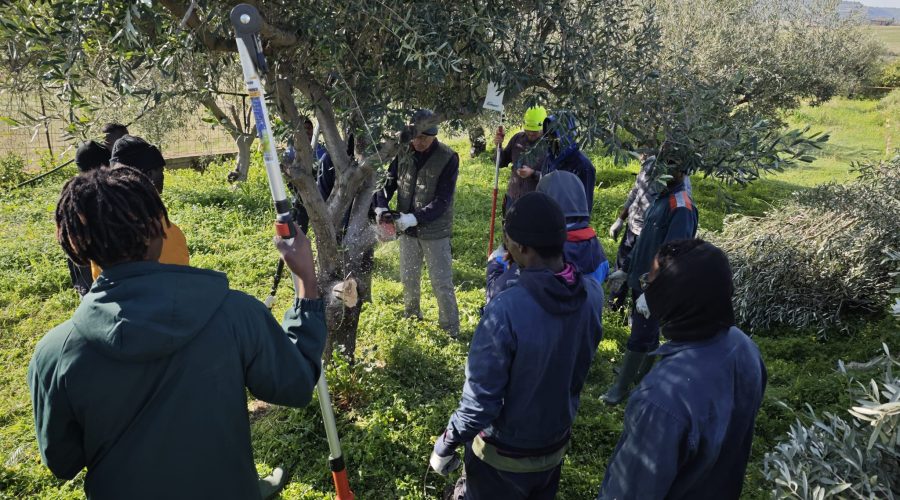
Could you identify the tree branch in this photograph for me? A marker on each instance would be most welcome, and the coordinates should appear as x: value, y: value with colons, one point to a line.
x: 210, y: 40
x: 300, y: 172
x: 276, y: 37
x: 326, y: 237
x: 233, y: 128
x: 337, y: 147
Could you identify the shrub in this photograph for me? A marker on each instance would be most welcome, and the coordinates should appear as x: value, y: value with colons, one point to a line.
x: 832, y: 457
x: 12, y: 170
x: 818, y: 257
x: 890, y: 75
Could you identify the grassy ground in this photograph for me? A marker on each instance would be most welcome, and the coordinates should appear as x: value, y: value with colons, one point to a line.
x: 890, y: 36
x: 409, y: 375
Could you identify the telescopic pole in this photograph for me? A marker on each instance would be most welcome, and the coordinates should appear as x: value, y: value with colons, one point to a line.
x: 247, y: 24
x: 494, y: 201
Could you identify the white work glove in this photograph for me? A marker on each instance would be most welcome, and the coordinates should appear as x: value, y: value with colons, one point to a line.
x: 378, y: 212
x: 498, y: 252
x: 444, y: 465
x: 616, y: 228
x: 641, y: 305
x: 405, y: 221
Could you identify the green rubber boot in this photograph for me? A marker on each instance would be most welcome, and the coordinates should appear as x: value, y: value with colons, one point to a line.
x: 272, y: 484
x: 645, y: 368
x: 627, y: 373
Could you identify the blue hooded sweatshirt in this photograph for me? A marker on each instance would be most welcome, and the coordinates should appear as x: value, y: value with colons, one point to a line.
x: 527, y: 364
x: 582, y: 248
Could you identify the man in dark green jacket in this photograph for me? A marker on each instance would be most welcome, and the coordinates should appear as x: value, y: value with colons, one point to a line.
x: 144, y: 386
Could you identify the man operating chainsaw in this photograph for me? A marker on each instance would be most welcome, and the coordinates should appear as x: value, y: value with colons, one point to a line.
x: 424, y: 178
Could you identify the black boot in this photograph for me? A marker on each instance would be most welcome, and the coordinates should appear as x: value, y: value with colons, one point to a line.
x: 627, y: 373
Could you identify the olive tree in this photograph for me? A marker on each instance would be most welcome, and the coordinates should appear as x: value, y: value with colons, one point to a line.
x: 362, y: 66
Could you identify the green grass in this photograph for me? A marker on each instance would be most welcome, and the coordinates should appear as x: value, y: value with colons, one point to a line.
x: 889, y: 36
x: 409, y: 375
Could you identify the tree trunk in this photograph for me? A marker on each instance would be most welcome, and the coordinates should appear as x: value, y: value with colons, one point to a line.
x: 343, y: 321
x: 342, y: 324
x: 242, y: 163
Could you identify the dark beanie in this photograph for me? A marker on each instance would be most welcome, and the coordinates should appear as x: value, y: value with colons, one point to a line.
x: 535, y: 220
x: 91, y: 155
x: 423, y: 114
x: 137, y: 153
x: 691, y: 293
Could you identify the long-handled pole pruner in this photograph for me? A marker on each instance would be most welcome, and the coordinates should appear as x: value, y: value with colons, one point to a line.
x: 247, y: 24
x: 279, y: 266
x: 494, y: 101
x: 494, y: 200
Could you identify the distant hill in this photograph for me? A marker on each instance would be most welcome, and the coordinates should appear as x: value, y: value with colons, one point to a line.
x: 874, y: 14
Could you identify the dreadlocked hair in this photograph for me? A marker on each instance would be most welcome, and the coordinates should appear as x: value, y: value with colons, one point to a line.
x: 109, y: 216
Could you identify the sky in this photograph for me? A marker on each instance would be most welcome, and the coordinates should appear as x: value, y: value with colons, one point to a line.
x: 881, y: 3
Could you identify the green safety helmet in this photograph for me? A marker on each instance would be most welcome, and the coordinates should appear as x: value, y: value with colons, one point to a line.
x: 534, y: 119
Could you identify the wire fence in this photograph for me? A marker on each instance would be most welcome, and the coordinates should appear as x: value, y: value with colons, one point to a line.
x: 29, y: 129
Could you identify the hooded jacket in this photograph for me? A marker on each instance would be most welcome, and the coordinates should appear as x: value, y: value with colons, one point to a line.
x: 527, y: 364
x: 564, y: 154
x: 582, y: 247
x: 144, y: 386
x: 688, y: 426
x: 672, y: 216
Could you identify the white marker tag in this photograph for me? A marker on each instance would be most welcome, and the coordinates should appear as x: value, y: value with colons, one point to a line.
x: 494, y: 98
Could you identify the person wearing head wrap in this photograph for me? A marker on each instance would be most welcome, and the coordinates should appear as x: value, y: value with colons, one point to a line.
x: 563, y: 153
x: 688, y: 426
x: 424, y: 178
x: 527, y: 364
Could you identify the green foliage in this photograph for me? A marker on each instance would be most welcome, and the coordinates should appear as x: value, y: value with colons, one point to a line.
x: 785, y: 51
x: 815, y: 259
x: 12, y: 171
x: 890, y: 75
x: 700, y: 85
x: 834, y: 458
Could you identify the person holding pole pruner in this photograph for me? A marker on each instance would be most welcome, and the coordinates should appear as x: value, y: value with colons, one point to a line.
x: 526, y: 168
x: 145, y: 386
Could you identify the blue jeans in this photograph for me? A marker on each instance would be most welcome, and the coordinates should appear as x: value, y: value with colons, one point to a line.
x: 644, y: 332
x: 483, y: 482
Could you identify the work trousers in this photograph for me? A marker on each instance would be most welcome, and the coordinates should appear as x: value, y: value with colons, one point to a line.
x: 483, y: 482
x: 618, y: 298
x: 437, y: 257
x: 644, y: 331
